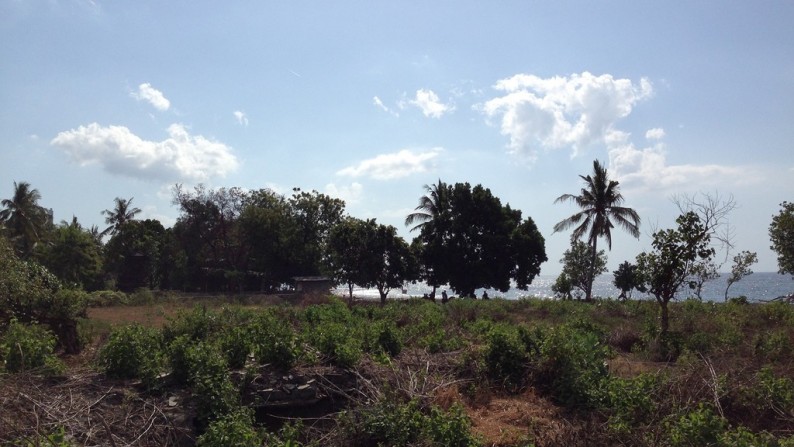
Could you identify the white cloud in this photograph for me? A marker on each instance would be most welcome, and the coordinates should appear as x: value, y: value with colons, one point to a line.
x: 392, y: 166
x: 153, y: 96
x: 655, y: 134
x: 241, y: 117
x: 429, y: 103
x: 181, y: 156
x: 562, y: 112
x: 648, y: 168
x: 350, y: 194
x: 376, y: 101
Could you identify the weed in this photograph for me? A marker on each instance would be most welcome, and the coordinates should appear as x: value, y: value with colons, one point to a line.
x: 25, y: 347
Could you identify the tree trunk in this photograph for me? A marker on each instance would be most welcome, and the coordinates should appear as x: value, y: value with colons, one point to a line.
x: 665, y: 317
x: 383, y: 292
x: 591, y: 275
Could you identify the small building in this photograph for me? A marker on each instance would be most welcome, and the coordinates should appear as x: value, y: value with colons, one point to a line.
x: 313, y: 285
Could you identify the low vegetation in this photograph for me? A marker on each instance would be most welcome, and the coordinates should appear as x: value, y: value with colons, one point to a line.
x: 468, y: 373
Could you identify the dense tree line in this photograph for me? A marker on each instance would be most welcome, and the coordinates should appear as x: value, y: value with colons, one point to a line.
x: 233, y: 240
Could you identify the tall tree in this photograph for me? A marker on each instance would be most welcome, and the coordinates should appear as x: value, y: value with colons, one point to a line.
x: 350, y: 253
x: 627, y: 278
x: 314, y: 214
x: 74, y: 256
x: 669, y: 265
x: 741, y: 268
x: 781, y: 233
x: 576, y: 265
x: 476, y: 242
x: 25, y: 221
x: 393, y: 261
x: 599, y: 202
x: 122, y: 213
x: 433, y: 203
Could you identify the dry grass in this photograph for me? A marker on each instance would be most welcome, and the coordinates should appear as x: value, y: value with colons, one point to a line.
x: 88, y: 410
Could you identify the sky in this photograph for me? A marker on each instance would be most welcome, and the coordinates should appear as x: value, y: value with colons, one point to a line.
x: 368, y: 101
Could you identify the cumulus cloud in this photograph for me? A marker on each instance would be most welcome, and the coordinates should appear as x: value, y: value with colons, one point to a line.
x: 153, y: 96
x: 181, y: 156
x: 655, y: 134
x: 562, y: 112
x: 648, y: 168
x: 350, y: 194
x: 241, y: 117
x: 392, y: 166
x: 429, y: 103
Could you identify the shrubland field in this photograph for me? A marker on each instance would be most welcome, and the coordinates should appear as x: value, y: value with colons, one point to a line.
x: 287, y: 371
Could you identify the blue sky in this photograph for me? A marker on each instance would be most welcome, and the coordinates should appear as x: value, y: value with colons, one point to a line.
x: 368, y: 101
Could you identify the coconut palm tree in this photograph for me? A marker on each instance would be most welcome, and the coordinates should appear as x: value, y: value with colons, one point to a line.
x: 430, y: 205
x: 600, y: 202
x: 119, y: 215
x: 24, y: 219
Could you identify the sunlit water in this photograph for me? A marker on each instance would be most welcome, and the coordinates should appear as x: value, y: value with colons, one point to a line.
x: 756, y: 287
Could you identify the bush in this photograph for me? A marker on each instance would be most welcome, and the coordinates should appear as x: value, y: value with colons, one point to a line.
x: 273, y: 341
x: 213, y: 391
x: 133, y: 351
x: 339, y: 343
x: 392, y: 423
x: 772, y: 346
x: 630, y: 401
x: 572, y: 366
x: 389, y: 423
x: 235, y: 343
x: 235, y: 429
x: 381, y: 338
x: 506, y: 359
x: 451, y: 428
x: 106, y: 298
x: 26, y: 347
x: 699, y: 427
x: 197, y: 324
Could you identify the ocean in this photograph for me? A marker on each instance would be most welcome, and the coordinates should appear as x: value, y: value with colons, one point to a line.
x: 760, y: 286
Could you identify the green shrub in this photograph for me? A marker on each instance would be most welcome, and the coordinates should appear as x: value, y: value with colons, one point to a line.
x: 26, y: 347
x: 506, y: 358
x: 388, y: 339
x: 106, y: 298
x: 772, y: 346
x: 141, y: 297
x: 198, y: 324
x: 235, y: 343
x: 177, y: 351
x: 389, y: 423
x: 698, y: 427
x: 630, y: 401
x: 338, y: 342
x: 450, y: 428
x: 771, y: 394
x: 572, y: 366
x: 235, y: 429
x: 213, y: 392
x: 273, y: 341
x: 288, y: 436
x: 133, y: 351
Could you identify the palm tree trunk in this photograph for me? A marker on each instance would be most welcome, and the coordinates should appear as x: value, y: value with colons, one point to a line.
x: 591, y: 274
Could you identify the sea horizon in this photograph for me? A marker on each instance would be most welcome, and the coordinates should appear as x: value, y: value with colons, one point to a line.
x: 757, y: 287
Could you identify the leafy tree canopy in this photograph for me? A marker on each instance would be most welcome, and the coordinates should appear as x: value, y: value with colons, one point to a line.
x: 675, y: 251
x: 475, y: 241
x: 781, y: 233
x: 578, y: 264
